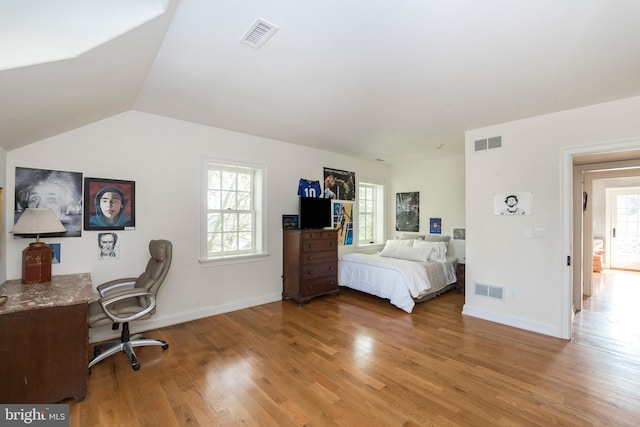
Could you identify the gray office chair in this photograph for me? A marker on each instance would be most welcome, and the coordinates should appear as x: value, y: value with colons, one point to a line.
x: 125, y: 300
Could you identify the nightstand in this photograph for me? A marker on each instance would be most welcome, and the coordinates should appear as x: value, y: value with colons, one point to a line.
x: 460, y: 276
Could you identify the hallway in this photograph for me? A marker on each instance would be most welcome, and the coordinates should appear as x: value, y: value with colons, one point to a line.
x: 610, y: 317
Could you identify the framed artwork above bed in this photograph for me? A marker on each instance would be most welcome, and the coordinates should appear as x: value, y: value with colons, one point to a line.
x: 408, y: 211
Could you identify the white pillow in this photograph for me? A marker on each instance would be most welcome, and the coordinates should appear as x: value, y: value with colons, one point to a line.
x: 408, y: 253
x: 439, y: 249
x: 437, y: 238
x: 400, y: 242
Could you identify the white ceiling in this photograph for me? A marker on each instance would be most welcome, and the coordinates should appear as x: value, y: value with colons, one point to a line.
x: 383, y: 79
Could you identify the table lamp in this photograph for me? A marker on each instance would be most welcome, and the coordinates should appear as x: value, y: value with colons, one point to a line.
x: 36, y: 258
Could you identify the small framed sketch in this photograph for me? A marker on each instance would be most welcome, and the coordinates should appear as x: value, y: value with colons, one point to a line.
x: 108, y: 245
x: 512, y: 204
x: 459, y: 234
x: 290, y: 222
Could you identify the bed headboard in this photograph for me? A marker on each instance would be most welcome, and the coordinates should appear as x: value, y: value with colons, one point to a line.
x: 451, y: 248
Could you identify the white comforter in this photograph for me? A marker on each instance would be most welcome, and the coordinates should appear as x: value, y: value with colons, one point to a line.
x: 397, y: 280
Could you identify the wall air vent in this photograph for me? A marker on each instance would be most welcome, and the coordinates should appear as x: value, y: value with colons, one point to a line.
x: 480, y: 145
x: 258, y: 33
x: 488, y: 143
x: 494, y: 292
x: 495, y: 142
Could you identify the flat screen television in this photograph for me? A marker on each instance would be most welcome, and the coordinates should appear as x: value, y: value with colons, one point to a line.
x: 315, y: 212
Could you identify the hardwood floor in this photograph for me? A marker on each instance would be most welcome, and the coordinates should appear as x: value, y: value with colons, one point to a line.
x: 356, y: 360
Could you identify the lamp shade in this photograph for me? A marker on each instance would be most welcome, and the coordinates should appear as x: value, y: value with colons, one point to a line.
x: 38, y: 221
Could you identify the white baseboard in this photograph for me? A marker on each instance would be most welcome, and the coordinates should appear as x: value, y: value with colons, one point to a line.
x: 105, y: 332
x: 515, y: 322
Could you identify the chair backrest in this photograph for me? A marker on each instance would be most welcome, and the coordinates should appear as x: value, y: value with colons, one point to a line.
x: 157, y: 267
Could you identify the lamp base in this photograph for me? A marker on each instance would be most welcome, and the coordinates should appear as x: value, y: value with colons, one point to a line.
x: 36, y: 264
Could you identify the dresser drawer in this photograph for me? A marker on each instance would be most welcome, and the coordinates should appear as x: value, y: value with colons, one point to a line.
x: 319, y: 286
x: 317, y: 257
x: 312, y: 271
x: 319, y: 245
x: 319, y: 234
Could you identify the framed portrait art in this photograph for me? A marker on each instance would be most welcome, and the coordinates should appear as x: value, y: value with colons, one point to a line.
x: 60, y: 191
x: 109, y: 204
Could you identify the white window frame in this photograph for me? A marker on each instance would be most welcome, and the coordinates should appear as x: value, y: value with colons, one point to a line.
x: 258, y: 209
x: 377, y: 215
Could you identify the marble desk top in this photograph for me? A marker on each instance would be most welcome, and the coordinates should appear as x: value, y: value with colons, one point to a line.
x: 67, y: 289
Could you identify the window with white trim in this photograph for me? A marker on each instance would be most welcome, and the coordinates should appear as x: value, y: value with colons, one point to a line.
x: 234, y: 211
x: 370, y: 213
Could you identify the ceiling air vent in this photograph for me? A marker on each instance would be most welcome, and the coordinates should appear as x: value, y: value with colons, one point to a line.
x: 258, y: 33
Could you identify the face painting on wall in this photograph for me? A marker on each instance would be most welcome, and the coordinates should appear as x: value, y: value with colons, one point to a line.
x: 59, y: 191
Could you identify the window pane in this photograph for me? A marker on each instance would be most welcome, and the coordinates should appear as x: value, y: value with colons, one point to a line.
x: 245, y: 222
x: 213, y: 199
x: 244, y: 241
x: 228, y: 180
x: 214, y: 243
x: 244, y: 201
x: 230, y: 242
x: 230, y: 222
x: 228, y: 200
x: 244, y: 182
x: 213, y: 180
x: 214, y: 222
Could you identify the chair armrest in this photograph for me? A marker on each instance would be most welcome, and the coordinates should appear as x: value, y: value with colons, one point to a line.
x: 115, y: 284
x: 123, y: 294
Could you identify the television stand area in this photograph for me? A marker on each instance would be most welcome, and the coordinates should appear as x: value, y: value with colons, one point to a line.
x: 310, y: 264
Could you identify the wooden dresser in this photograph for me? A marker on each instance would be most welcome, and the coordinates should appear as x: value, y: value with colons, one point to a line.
x: 310, y: 264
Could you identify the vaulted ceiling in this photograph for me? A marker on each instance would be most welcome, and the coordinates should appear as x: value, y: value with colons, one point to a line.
x: 376, y: 79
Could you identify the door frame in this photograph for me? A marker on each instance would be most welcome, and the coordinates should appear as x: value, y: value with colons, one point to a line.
x: 571, y: 226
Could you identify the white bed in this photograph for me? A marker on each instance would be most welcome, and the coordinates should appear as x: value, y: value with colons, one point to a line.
x: 402, y: 281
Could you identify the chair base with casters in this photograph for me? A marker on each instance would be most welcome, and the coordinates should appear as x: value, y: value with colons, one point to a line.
x: 126, y: 345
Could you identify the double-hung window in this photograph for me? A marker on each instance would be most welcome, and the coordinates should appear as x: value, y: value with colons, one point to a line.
x: 370, y: 213
x: 234, y: 210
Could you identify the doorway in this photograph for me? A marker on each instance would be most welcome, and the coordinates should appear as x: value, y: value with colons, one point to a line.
x: 576, y: 231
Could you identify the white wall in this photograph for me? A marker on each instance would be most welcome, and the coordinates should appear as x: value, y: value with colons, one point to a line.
x: 499, y: 252
x: 163, y: 156
x: 441, y: 185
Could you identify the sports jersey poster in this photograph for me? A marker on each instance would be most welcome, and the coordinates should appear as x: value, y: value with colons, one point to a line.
x: 408, y: 211
x: 309, y: 188
x: 339, y: 185
x: 343, y: 221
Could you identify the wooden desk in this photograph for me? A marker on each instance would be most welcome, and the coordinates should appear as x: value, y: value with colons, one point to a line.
x: 44, y: 339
